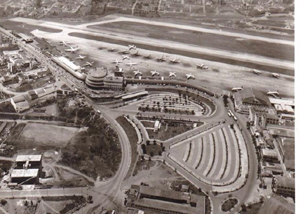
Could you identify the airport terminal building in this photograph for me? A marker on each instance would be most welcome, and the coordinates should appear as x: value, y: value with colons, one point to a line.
x: 98, y: 78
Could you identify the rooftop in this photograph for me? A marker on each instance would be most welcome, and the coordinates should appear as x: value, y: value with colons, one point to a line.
x: 290, y: 102
x: 97, y: 73
x: 21, y: 173
x: 24, y: 158
x: 68, y: 63
x: 285, y: 182
x: 252, y: 96
x: 277, y: 205
x: 269, y: 152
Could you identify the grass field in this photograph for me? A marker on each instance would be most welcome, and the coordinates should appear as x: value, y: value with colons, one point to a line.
x: 166, y: 133
x: 235, y: 44
x: 46, y: 135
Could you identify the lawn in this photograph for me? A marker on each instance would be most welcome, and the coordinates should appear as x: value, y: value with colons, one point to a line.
x: 229, y: 204
x: 34, y: 135
x: 169, y: 130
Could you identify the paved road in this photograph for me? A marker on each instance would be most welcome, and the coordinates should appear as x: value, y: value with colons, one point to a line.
x: 43, y: 192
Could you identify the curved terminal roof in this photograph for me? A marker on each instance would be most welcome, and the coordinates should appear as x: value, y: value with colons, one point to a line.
x: 98, y: 73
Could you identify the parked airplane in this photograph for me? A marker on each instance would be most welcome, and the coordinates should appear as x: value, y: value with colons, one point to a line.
x: 123, y: 52
x: 202, y: 66
x: 235, y: 89
x: 81, y: 57
x: 275, y: 75
x: 257, y: 72
x: 136, y: 73
x: 117, y: 62
x: 89, y: 64
x: 131, y: 63
x: 131, y: 47
x: 153, y: 73
x: 111, y: 49
x: 71, y: 49
x: 119, y: 69
x: 273, y: 93
x: 172, y: 74
x: 136, y: 54
x: 161, y: 59
x: 190, y: 76
x: 125, y: 57
x: 148, y: 56
x: 64, y: 43
x: 175, y: 60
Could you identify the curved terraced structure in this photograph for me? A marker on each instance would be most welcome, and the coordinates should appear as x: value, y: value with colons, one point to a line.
x: 95, y: 78
x: 213, y: 157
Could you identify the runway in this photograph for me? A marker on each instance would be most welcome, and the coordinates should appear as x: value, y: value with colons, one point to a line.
x: 227, y: 76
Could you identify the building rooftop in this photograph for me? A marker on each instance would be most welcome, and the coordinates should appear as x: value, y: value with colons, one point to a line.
x: 250, y: 95
x: 290, y: 102
x: 288, y: 146
x: 168, y: 206
x: 68, y: 63
x: 21, y: 173
x: 97, y: 73
x: 24, y: 158
x: 285, y: 182
x: 277, y: 205
x: 269, y: 152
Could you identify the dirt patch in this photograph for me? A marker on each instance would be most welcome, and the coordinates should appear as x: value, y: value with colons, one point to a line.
x: 143, y: 165
x: 69, y: 179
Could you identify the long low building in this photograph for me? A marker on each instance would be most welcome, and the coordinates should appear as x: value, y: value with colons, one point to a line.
x: 25, y: 176
x: 69, y: 66
x: 165, y: 201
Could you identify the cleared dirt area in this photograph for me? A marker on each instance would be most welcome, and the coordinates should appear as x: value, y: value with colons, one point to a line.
x: 186, y: 53
x: 202, y: 39
x: 48, y: 135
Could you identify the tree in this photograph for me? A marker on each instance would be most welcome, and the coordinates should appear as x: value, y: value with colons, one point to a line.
x: 38, y: 3
x: 225, y: 100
